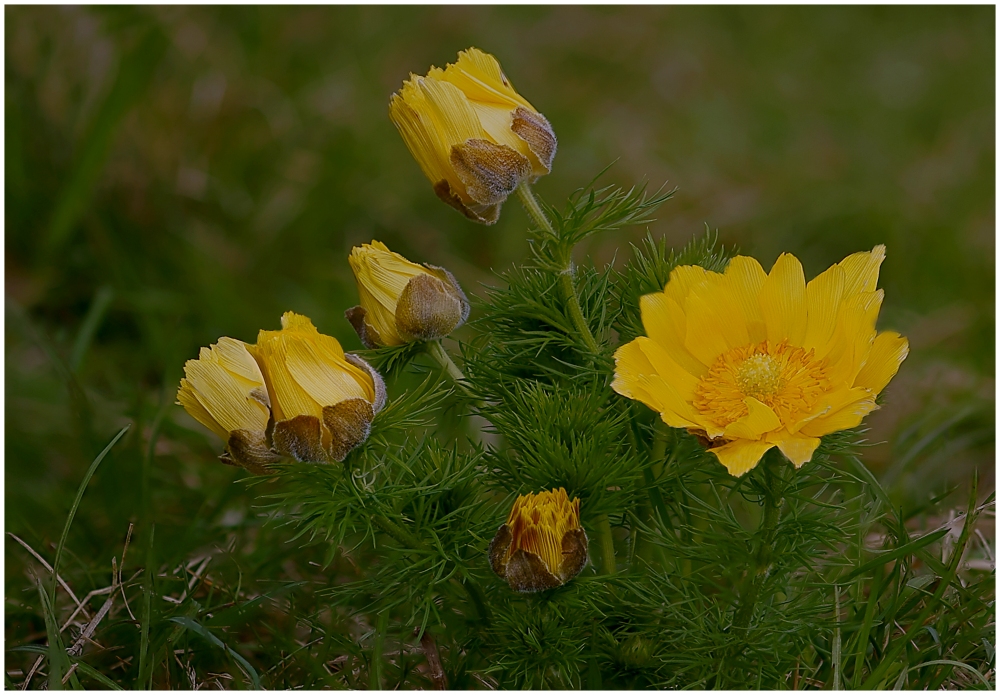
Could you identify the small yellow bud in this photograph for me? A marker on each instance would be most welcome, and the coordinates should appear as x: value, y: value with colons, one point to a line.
x: 224, y: 390
x: 542, y: 545
x: 323, y: 400
x: 402, y: 301
x: 473, y: 135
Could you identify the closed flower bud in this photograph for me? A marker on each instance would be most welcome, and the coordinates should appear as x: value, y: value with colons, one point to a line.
x: 402, y: 301
x: 224, y: 390
x: 473, y: 135
x: 323, y: 400
x: 542, y: 545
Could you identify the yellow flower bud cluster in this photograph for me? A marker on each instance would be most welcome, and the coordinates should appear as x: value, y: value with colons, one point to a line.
x: 295, y: 394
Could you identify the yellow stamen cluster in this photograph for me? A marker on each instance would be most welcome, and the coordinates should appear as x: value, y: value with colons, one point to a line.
x: 787, y: 379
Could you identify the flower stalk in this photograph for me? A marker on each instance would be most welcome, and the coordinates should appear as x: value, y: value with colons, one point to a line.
x: 764, y: 555
x: 566, y: 272
x: 607, y: 542
x: 436, y: 350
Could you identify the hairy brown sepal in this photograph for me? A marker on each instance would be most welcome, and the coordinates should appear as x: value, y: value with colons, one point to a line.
x: 249, y: 450
x: 377, y: 381
x: 349, y: 423
x: 535, y: 130
x: 430, y: 308
x: 368, y: 335
x: 300, y: 438
x: 490, y: 172
x: 525, y: 572
x: 574, y: 551
x: 483, y: 214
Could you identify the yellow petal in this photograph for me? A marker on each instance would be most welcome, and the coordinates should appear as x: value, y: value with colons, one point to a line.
x: 741, y: 455
x: 636, y: 378
x: 233, y: 356
x: 306, y: 371
x: 783, y: 301
x: 410, y: 112
x: 632, y: 367
x: 682, y: 279
x: 715, y: 320
x: 853, y: 337
x: 823, y: 295
x: 480, y: 77
x: 887, y: 353
x: 666, y: 324
x: 225, y: 396
x: 861, y: 270
x: 798, y: 450
x: 848, y: 411
x: 759, y: 420
x: 668, y: 369
x: 324, y: 374
x: 187, y: 398
x: 745, y: 278
x: 288, y: 399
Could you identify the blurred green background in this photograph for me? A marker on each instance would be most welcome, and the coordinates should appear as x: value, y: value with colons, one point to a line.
x: 177, y: 174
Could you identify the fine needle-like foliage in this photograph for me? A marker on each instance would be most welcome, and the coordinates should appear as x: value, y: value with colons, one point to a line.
x: 781, y: 578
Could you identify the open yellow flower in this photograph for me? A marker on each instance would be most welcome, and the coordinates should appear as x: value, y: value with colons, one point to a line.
x: 752, y: 360
x: 224, y: 390
x: 323, y: 400
x: 402, y: 301
x: 473, y: 135
x: 542, y: 545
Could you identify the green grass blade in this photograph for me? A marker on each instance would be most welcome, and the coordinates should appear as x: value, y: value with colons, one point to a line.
x: 76, y: 505
x: 58, y: 660
x: 145, y: 666
x: 88, y: 670
x: 957, y: 664
x: 375, y: 670
x: 862, y: 644
x: 84, y: 668
x: 901, y: 681
x: 862, y: 471
x: 199, y: 629
x: 91, y: 322
x: 946, y: 580
x: 836, y: 655
x: 896, y: 553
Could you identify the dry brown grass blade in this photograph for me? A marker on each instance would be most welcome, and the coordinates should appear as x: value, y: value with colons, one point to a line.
x: 438, y: 677
x: 48, y: 567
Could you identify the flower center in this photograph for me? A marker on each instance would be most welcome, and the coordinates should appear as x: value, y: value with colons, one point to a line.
x: 759, y: 376
x: 787, y: 379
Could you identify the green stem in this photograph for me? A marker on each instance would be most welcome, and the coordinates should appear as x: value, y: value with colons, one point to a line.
x: 773, y: 500
x: 566, y: 287
x: 398, y: 533
x: 436, y: 350
x: 479, y: 601
x: 375, y: 671
x: 607, y: 543
x: 530, y: 203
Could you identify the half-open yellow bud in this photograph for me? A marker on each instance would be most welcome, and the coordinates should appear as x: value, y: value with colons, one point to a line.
x: 224, y: 390
x: 473, y: 135
x: 402, y: 301
x: 542, y: 545
x: 323, y: 400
